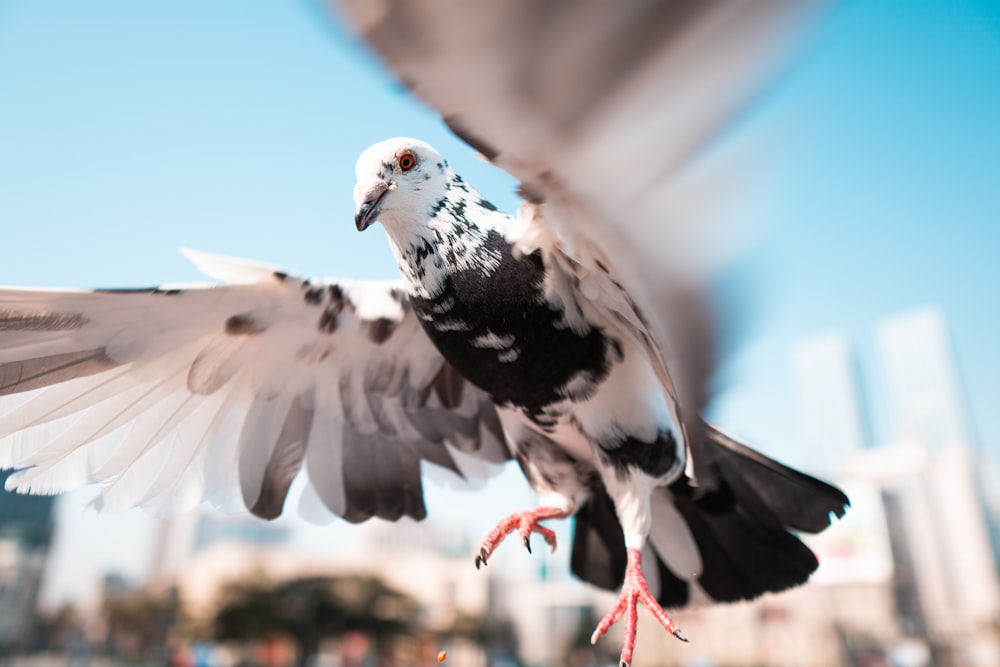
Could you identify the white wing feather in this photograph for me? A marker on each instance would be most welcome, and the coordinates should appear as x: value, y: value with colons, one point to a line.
x: 167, y: 397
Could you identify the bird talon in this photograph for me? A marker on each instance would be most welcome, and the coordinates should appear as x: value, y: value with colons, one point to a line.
x: 634, y: 590
x: 525, y: 523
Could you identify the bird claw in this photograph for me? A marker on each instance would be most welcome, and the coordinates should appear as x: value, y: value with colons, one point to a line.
x: 525, y: 523
x: 633, y: 590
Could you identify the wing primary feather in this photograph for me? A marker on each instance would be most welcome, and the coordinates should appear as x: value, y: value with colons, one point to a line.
x: 157, y: 398
x: 285, y: 461
x: 19, y: 376
x: 361, y: 501
x: 325, y: 455
x: 187, y: 449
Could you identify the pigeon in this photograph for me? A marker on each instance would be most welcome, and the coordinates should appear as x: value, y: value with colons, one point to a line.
x: 572, y: 337
x: 486, y: 350
x: 607, y: 114
x: 573, y: 378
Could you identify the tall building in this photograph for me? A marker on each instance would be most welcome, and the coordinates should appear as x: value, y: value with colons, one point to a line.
x: 943, y: 575
x: 828, y: 396
x: 26, y: 526
x: 945, y: 582
x: 921, y: 382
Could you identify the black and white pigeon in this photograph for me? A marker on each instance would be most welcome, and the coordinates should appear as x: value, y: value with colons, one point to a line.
x: 585, y: 315
x: 572, y: 336
x: 586, y: 402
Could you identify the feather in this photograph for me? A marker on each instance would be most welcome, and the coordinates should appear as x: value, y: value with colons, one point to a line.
x: 285, y: 461
x: 170, y: 396
x: 28, y: 374
x: 672, y: 539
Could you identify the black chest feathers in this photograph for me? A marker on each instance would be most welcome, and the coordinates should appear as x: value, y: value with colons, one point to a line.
x: 501, y: 334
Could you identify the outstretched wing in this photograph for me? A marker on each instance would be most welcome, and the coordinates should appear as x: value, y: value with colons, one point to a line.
x: 601, y: 111
x: 174, y: 395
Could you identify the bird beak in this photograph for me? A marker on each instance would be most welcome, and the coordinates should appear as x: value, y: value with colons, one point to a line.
x: 367, y: 212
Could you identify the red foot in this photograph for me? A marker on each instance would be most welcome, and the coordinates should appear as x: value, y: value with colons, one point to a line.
x: 526, y: 522
x: 633, y: 590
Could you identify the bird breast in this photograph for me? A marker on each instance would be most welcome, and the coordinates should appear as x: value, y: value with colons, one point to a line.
x: 495, y: 326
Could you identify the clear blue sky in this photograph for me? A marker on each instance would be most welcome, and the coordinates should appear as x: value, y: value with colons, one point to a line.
x: 129, y: 129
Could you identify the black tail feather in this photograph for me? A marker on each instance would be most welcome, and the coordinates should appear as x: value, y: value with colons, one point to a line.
x: 796, y: 500
x: 739, y: 517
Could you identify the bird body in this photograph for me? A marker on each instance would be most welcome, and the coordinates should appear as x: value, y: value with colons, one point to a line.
x: 577, y: 402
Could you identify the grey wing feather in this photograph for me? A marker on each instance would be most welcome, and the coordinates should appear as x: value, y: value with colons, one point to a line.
x: 603, y: 111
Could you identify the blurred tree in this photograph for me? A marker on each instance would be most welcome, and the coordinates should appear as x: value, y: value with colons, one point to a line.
x: 310, y: 609
x: 580, y: 652
x: 497, y: 636
x: 139, y: 622
x: 59, y: 628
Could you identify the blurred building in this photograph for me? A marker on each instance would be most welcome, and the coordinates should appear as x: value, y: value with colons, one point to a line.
x: 213, y: 527
x: 178, y: 538
x: 936, y: 528
x: 829, y: 399
x: 26, y: 526
x: 945, y: 581
x: 921, y: 380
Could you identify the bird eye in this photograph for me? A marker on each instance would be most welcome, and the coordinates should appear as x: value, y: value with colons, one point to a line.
x: 407, y: 160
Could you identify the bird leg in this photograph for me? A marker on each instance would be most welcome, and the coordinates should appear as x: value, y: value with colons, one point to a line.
x: 526, y: 523
x: 634, y: 589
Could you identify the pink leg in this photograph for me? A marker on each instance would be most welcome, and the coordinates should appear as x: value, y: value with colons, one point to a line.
x: 526, y: 522
x: 633, y: 590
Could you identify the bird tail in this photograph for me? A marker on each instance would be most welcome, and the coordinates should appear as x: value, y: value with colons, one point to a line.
x: 726, y: 535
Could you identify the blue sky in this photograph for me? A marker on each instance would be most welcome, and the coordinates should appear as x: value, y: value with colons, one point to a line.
x: 129, y: 129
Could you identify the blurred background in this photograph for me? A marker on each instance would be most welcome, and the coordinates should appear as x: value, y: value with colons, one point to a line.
x: 865, y: 351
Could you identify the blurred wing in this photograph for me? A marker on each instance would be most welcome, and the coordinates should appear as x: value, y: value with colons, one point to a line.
x: 600, y: 110
x: 170, y: 396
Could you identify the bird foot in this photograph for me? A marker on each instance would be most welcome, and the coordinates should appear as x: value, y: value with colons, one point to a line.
x: 633, y: 590
x: 526, y: 523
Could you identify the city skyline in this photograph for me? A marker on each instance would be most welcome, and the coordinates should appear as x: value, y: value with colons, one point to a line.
x: 928, y: 479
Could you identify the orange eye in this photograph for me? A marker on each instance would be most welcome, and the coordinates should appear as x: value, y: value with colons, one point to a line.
x: 407, y: 161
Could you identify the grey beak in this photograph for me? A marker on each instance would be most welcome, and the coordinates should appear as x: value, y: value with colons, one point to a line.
x: 368, y: 211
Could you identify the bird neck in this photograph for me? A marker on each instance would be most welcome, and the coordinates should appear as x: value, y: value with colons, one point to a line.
x: 451, y: 238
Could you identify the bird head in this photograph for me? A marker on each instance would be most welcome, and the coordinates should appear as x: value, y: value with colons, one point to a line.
x: 398, y: 183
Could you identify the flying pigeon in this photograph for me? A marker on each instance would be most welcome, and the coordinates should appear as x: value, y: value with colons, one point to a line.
x: 586, y: 402
x: 486, y: 349
x: 606, y: 113
x: 548, y: 336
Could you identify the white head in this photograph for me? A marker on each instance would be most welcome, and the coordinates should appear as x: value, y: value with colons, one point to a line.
x: 398, y: 183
